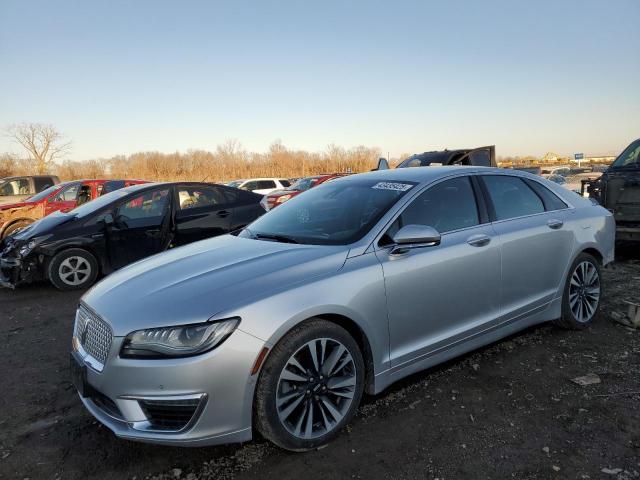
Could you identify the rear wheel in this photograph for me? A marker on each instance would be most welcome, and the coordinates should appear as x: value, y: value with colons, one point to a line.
x: 582, y: 293
x: 73, y: 269
x: 15, y: 227
x: 310, y: 386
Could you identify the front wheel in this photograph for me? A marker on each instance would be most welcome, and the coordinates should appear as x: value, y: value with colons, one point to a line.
x: 582, y: 293
x: 73, y: 269
x: 310, y: 386
x: 15, y: 227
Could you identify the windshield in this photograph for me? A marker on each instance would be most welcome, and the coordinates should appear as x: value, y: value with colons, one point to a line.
x: 90, y: 207
x: 43, y: 194
x: 303, y: 184
x: 335, y: 213
x: 630, y: 157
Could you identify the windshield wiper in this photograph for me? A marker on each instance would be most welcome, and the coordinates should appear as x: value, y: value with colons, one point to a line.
x: 275, y: 237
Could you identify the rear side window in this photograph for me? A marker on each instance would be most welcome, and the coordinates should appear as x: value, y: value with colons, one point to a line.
x: 42, y: 183
x: 199, y: 196
x: 447, y: 206
x: 511, y: 197
x: 550, y: 199
x: 285, y: 183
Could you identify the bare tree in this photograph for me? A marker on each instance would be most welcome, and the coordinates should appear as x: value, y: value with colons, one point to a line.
x: 44, y: 143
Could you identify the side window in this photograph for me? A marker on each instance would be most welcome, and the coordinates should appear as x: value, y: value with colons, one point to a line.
x: 19, y: 186
x: 68, y: 194
x: 449, y: 205
x: 147, y: 209
x: 251, y: 186
x: 285, y: 183
x: 511, y: 197
x: 197, y: 197
x: 480, y: 158
x: 84, y: 194
x: 265, y: 184
x: 550, y: 199
x: 42, y: 183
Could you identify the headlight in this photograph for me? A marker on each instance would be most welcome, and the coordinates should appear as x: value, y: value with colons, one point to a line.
x: 33, y: 243
x: 283, y: 199
x: 179, y: 341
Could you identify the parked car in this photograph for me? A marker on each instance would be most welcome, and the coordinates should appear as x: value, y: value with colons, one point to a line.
x: 61, y: 197
x: 71, y: 249
x: 262, y: 186
x: 14, y: 189
x: 348, y: 288
x: 618, y: 189
x: 302, y: 185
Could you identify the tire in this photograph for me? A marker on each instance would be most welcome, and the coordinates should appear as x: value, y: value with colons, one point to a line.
x: 15, y: 227
x: 581, y: 298
x: 73, y: 269
x: 331, y: 398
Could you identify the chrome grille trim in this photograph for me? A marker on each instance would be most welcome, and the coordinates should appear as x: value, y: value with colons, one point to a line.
x: 93, y: 335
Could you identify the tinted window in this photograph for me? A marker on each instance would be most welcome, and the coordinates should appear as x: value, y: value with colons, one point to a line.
x: 447, y: 206
x: 511, y: 197
x: 250, y: 186
x: 550, y: 199
x: 42, y: 183
x: 147, y: 208
x: 265, y: 184
x: 198, y: 197
x: 481, y: 158
x: 285, y: 183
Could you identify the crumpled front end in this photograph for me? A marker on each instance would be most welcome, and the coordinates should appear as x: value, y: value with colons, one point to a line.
x: 16, y: 269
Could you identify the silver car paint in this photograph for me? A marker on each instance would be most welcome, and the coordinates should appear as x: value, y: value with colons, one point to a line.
x: 415, y: 310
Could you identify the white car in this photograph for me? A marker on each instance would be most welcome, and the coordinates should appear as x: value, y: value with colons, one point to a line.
x: 262, y: 186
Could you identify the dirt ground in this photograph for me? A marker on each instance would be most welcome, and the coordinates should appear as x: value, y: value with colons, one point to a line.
x: 507, y: 411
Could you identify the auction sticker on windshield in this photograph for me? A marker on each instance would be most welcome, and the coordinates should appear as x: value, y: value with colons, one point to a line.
x: 398, y: 187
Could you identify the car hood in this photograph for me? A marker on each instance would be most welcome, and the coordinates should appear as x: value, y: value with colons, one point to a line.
x: 191, y: 284
x: 8, y: 206
x: 44, y: 226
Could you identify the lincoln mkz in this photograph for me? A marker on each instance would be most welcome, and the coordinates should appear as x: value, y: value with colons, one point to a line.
x: 281, y: 328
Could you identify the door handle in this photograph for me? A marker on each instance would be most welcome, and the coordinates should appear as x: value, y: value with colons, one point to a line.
x: 555, y: 224
x: 479, y: 240
x: 223, y: 213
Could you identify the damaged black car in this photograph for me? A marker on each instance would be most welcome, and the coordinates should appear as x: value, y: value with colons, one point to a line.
x: 618, y: 190
x: 72, y: 249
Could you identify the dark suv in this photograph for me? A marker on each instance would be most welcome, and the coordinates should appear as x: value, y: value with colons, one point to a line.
x: 618, y: 190
x: 15, y: 189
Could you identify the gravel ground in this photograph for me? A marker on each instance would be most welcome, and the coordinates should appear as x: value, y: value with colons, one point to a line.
x: 507, y: 411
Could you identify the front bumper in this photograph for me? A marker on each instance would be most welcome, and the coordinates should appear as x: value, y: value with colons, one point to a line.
x: 218, y: 381
x: 15, y: 271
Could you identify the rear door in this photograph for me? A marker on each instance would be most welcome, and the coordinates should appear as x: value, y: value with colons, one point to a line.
x: 536, y: 242
x: 202, y: 211
x: 141, y: 227
x: 265, y: 186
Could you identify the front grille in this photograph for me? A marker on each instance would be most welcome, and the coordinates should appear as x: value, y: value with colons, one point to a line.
x: 93, y: 333
x: 169, y: 414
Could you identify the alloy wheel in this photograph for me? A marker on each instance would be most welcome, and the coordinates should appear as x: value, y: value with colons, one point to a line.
x: 316, y: 388
x: 74, y: 270
x: 584, y: 291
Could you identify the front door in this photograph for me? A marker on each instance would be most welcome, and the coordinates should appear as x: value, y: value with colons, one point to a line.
x: 140, y: 228
x: 441, y: 294
x: 64, y: 200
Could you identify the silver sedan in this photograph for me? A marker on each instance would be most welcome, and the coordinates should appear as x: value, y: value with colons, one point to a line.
x: 342, y: 290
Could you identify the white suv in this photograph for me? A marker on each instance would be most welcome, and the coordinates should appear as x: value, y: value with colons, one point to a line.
x: 262, y: 186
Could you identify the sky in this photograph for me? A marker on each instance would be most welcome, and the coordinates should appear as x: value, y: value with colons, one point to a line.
x: 117, y: 77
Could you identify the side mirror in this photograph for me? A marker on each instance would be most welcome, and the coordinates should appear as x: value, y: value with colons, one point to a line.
x: 414, y: 236
x: 108, y: 220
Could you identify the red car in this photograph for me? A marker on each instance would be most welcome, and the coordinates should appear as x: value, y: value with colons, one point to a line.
x: 278, y: 197
x: 62, y: 197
